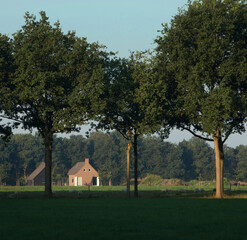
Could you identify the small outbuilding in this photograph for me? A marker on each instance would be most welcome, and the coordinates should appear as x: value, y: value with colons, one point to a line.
x: 37, y: 177
x: 83, y: 174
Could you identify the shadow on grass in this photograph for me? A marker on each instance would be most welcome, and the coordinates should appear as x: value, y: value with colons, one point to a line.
x: 118, y: 194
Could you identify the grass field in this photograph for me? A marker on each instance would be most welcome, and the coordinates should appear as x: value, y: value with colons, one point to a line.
x: 153, y: 216
x: 117, y: 191
x: 123, y: 219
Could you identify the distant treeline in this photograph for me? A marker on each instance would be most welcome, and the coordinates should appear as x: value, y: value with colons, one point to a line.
x: 188, y: 160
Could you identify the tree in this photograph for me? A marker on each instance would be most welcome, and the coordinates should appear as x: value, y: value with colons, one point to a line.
x: 123, y: 111
x: 6, y: 70
x: 230, y: 162
x: 241, y: 168
x: 187, y: 158
x: 30, y: 153
x: 151, y: 158
x: 203, y: 50
x: 201, y: 166
x: 162, y: 158
x: 54, y: 72
x: 105, y: 157
x: 75, y: 150
x: 117, y: 111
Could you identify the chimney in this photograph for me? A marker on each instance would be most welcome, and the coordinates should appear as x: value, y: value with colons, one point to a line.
x: 86, y: 160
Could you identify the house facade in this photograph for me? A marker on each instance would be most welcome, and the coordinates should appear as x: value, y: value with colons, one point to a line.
x: 83, y: 174
x: 37, y: 177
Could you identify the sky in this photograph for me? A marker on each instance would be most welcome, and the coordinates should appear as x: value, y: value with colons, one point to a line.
x: 121, y: 25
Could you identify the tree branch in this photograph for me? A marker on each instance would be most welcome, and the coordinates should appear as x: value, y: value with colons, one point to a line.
x: 122, y: 133
x: 9, y: 118
x: 196, y: 135
x: 227, y: 136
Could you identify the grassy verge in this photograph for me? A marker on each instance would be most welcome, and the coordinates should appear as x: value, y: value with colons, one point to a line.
x: 118, y: 192
x: 104, y: 218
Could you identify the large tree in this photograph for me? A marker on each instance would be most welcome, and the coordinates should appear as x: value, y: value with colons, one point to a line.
x: 204, y: 50
x: 6, y: 70
x: 123, y: 111
x: 56, y: 74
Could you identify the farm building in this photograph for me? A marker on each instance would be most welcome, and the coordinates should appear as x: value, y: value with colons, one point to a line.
x: 83, y: 174
x: 37, y: 177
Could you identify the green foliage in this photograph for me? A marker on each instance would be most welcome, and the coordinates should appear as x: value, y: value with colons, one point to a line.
x: 241, y: 168
x: 226, y: 182
x: 152, y: 180
x: 54, y: 73
x: 6, y: 69
x: 106, y: 158
x: 199, y: 157
x: 122, y: 110
x: 188, y: 160
x: 230, y: 156
x: 56, y: 81
x: 204, y: 51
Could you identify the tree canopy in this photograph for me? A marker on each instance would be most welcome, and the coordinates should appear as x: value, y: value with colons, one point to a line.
x: 188, y: 160
x: 123, y: 109
x: 194, y: 80
x: 56, y: 76
x: 204, y: 51
x: 6, y: 70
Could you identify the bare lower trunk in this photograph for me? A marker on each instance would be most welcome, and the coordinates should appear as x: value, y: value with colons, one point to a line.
x: 135, y: 166
x: 128, y: 164
x: 219, y: 161
x: 17, y: 183
x: 109, y: 182
x: 48, y: 163
x: 25, y: 172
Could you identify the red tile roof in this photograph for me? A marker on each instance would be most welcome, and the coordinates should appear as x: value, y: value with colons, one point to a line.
x: 36, y: 171
x: 76, y: 168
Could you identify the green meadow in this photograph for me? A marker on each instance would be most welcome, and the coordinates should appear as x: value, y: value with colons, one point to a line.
x: 191, y: 189
x: 107, y: 218
x: 105, y: 213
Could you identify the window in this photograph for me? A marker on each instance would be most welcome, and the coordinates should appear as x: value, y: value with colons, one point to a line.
x: 89, y: 169
x: 84, y: 170
x: 72, y: 180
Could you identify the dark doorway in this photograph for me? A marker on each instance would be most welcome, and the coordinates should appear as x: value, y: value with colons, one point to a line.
x: 94, y: 180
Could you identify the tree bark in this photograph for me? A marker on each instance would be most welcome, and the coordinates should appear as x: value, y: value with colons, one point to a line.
x: 135, y: 166
x: 128, y: 164
x: 109, y: 182
x: 219, y: 161
x: 25, y: 172
x: 48, y: 140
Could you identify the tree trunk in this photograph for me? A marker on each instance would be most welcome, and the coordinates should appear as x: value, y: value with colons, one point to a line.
x: 135, y: 166
x: 17, y: 183
x: 48, y: 163
x: 25, y: 172
x: 109, y: 182
x: 128, y: 164
x: 219, y: 160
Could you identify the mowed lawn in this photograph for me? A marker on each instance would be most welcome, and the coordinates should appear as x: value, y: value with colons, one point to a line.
x: 121, y: 218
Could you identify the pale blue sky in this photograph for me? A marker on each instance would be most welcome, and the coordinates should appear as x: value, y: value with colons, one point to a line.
x: 120, y: 25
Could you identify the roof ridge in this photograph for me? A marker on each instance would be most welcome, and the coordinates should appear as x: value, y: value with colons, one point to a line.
x: 36, y: 171
x: 77, y: 167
